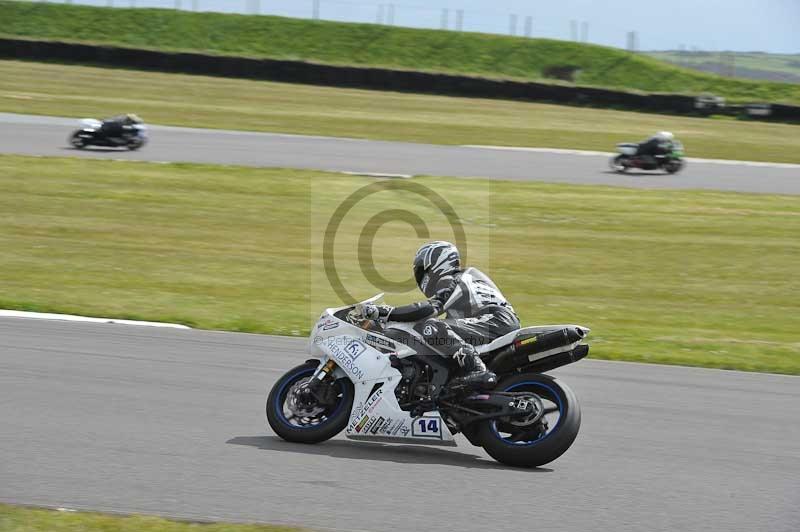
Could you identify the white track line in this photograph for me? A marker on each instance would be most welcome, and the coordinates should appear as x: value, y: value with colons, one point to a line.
x: 538, y: 150
x: 606, y: 154
x: 85, y: 319
x: 379, y: 174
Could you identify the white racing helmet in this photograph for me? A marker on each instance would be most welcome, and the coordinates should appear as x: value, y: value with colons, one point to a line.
x: 665, y: 136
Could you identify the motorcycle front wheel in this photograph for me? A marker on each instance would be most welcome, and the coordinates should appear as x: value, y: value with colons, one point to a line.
x: 135, y: 144
x: 674, y: 166
x: 541, y: 438
x: 76, y: 141
x: 617, y: 164
x: 308, y: 423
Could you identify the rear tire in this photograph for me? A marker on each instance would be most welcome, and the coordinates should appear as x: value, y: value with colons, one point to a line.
x: 545, y: 447
x: 334, y: 421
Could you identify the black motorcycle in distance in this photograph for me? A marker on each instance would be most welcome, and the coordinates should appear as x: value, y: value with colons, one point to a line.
x: 106, y: 134
x: 671, y: 162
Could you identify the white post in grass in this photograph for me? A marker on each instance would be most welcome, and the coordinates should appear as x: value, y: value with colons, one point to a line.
x: 528, y: 26
x: 460, y: 20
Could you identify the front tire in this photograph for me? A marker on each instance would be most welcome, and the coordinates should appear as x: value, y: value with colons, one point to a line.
x: 322, y: 425
x: 674, y: 166
x: 135, y: 143
x: 514, y: 444
x: 76, y: 141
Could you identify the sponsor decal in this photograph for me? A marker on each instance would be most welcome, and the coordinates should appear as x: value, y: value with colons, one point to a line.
x: 329, y: 324
x: 354, y: 414
x: 428, y: 330
x: 345, y: 358
x: 354, y: 349
x: 385, y: 428
x: 373, y: 401
x: 361, y: 423
x: 396, y: 428
x: 379, y: 341
x: 528, y: 340
x: 369, y: 424
x: 363, y: 409
x: 377, y: 425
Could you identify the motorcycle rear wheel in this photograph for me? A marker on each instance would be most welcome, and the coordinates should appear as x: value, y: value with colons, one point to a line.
x: 513, y: 443
x: 320, y: 426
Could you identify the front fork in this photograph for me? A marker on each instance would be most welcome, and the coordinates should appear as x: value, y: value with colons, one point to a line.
x: 323, y: 372
x: 312, y: 391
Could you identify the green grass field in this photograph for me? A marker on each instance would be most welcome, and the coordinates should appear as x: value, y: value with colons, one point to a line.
x: 373, y: 45
x: 680, y: 277
x: 41, y: 88
x: 23, y: 519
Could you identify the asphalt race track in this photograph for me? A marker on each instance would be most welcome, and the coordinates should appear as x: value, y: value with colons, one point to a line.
x: 166, y: 421
x: 40, y: 135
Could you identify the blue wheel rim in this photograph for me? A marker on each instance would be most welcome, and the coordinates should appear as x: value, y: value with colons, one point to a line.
x: 280, y: 398
x: 556, y: 399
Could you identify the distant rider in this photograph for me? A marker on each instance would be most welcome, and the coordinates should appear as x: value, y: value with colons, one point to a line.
x: 475, y: 310
x: 120, y: 126
x: 657, y: 145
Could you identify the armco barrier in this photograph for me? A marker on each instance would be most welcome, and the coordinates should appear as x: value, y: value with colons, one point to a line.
x: 355, y: 77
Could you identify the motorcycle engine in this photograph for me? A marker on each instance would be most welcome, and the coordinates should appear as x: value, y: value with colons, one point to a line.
x: 415, y: 382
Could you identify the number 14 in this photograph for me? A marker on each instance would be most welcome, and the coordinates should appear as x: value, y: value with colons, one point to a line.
x: 430, y: 425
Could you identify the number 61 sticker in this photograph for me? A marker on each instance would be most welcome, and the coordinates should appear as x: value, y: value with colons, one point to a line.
x: 427, y: 427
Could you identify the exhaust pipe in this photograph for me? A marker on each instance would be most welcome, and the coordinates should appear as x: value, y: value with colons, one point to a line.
x: 522, y: 352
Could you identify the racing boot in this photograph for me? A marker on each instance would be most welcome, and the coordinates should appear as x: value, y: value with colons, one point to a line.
x: 476, y: 377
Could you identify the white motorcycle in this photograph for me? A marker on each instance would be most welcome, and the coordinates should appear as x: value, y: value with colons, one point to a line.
x: 379, y: 381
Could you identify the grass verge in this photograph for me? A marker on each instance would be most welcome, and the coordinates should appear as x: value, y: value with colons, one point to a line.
x: 24, y: 519
x: 679, y: 277
x: 40, y: 88
x: 372, y: 45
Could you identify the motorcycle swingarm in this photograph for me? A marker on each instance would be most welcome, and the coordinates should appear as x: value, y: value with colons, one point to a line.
x: 506, y: 404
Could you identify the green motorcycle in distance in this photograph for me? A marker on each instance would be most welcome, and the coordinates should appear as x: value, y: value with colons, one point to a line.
x: 671, y: 162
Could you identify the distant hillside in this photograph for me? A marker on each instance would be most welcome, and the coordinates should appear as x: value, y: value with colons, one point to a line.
x: 783, y: 68
x: 374, y: 45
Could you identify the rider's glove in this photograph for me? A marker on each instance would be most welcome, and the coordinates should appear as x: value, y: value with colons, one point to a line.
x: 444, y: 294
x: 371, y: 312
x: 374, y: 312
x: 439, y: 299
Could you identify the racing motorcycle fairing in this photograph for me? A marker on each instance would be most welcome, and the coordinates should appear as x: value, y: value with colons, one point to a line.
x: 359, y: 355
